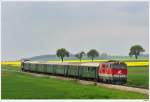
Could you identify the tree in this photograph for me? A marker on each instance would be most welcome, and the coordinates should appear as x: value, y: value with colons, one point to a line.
x: 62, y: 52
x: 80, y: 55
x: 92, y: 54
x: 136, y: 50
x: 130, y: 54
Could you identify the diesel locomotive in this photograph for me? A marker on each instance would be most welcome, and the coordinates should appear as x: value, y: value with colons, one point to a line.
x: 114, y: 72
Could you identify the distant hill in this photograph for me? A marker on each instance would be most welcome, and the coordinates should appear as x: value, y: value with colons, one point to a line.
x: 49, y: 57
x: 72, y: 57
x: 44, y: 57
x: 145, y: 55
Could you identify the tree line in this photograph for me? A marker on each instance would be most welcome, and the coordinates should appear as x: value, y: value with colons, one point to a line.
x: 93, y: 53
x: 62, y: 52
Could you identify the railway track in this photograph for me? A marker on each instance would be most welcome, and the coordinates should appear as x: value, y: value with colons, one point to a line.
x: 88, y: 82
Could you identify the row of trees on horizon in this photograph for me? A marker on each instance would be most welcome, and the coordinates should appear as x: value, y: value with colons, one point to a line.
x: 135, y: 50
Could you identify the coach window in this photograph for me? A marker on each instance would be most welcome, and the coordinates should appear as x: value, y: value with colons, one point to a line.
x: 36, y: 65
x: 93, y: 68
x: 88, y: 68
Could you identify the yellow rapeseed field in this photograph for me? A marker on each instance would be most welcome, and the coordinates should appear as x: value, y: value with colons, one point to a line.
x: 133, y: 63
x: 146, y: 63
x: 13, y: 63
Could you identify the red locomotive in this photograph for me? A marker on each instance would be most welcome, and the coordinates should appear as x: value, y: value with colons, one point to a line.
x: 113, y: 72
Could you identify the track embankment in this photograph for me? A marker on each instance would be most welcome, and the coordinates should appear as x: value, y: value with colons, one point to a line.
x: 119, y: 87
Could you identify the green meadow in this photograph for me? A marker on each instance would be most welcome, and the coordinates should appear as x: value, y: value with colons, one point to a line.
x: 17, y: 85
x: 138, y: 77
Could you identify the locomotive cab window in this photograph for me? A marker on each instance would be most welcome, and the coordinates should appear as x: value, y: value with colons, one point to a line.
x: 110, y: 66
x: 119, y: 66
x: 103, y: 66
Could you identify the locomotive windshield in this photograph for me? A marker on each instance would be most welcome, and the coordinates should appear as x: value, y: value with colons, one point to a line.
x: 118, y: 66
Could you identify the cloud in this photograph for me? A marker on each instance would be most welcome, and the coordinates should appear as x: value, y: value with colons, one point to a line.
x: 35, y: 28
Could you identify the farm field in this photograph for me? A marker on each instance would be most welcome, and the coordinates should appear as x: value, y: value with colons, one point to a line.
x: 130, y: 63
x: 16, y: 85
x: 138, y: 76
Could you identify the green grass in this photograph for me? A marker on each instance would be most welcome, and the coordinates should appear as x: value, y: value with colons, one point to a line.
x: 138, y: 76
x: 16, y: 85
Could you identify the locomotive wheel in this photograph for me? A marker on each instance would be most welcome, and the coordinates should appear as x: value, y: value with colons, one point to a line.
x: 113, y: 82
x: 109, y: 81
x: 104, y: 80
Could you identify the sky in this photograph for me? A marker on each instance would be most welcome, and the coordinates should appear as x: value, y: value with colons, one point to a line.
x: 38, y: 28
